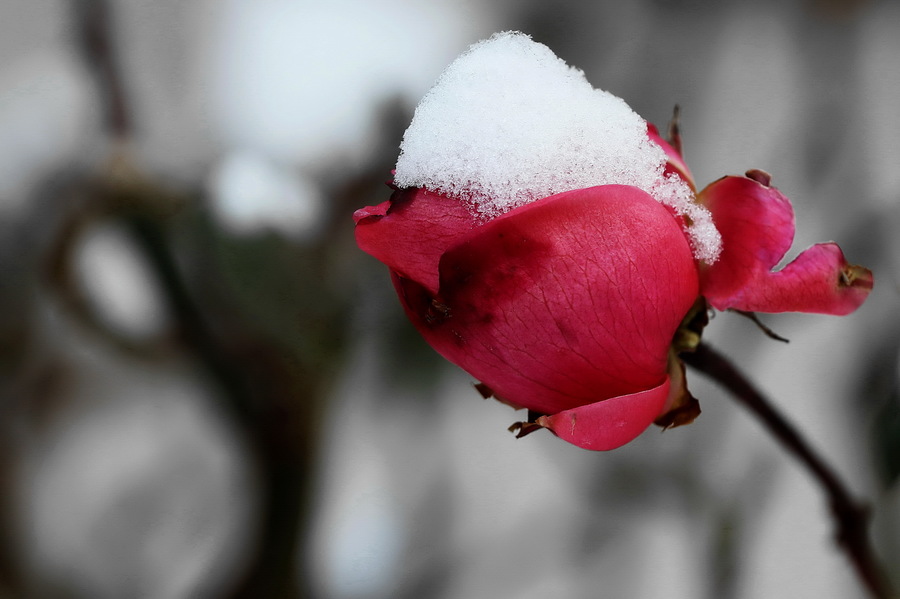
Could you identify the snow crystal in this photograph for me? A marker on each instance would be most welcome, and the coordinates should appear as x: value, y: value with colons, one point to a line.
x: 509, y: 122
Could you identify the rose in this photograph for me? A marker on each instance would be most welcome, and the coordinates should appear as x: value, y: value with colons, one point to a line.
x: 568, y: 305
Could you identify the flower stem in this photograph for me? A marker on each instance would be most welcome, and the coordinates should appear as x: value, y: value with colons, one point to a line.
x: 851, y: 517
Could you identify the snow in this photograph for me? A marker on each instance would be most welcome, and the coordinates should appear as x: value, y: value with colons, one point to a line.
x: 509, y: 122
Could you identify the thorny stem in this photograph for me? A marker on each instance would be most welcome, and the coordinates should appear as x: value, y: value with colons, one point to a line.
x: 851, y: 518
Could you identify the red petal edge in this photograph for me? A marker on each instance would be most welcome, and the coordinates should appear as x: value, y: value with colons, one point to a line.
x: 757, y: 226
x: 610, y: 423
x: 410, y: 232
x: 676, y: 164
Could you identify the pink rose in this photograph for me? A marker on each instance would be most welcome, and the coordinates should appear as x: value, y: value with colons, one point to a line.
x: 567, y: 306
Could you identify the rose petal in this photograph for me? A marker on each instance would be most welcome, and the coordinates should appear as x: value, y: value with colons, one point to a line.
x: 562, y: 302
x: 676, y: 163
x: 819, y: 280
x: 411, y: 231
x: 610, y: 423
x: 757, y: 226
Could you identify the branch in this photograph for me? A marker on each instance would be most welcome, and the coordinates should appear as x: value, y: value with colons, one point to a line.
x: 93, y: 34
x: 257, y: 383
x: 851, y: 517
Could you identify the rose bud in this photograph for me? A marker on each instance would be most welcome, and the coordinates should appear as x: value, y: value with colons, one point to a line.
x: 544, y: 238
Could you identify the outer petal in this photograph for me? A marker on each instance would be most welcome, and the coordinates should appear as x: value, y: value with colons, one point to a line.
x: 411, y: 232
x: 611, y: 423
x: 562, y: 302
x: 757, y: 226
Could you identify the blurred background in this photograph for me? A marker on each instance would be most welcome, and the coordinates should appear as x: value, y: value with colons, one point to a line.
x: 207, y: 390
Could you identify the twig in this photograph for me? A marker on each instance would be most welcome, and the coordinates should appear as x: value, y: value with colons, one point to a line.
x: 851, y: 518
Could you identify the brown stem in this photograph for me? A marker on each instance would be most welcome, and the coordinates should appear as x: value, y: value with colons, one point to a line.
x: 851, y: 517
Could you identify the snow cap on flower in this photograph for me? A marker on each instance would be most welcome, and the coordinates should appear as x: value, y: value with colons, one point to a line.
x: 509, y: 123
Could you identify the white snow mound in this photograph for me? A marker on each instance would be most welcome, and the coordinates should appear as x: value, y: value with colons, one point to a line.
x: 508, y: 122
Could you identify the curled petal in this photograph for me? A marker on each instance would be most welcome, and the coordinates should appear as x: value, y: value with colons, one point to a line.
x: 410, y: 232
x: 610, y: 423
x: 562, y: 302
x: 757, y: 226
x: 819, y: 280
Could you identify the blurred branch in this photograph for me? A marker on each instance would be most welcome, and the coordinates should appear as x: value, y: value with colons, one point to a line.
x: 259, y: 385
x: 89, y: 205
x: 93, y: 29
x: 248, y: 378
x: 851, y: 518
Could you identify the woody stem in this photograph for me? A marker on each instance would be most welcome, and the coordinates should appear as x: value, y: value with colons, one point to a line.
x: 851, y: 517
